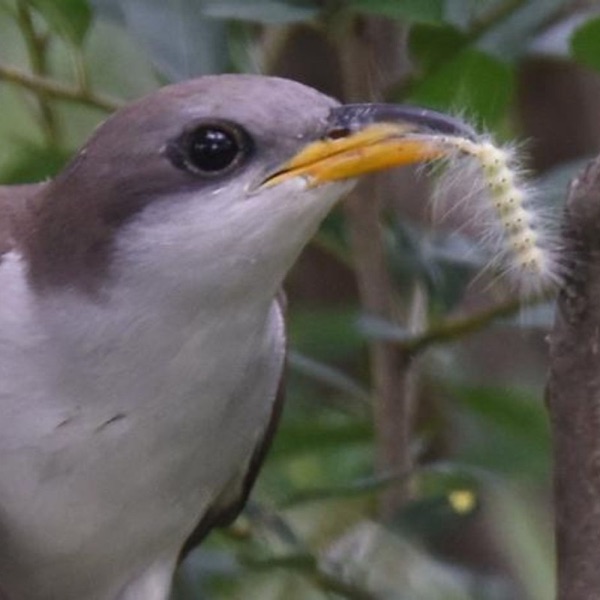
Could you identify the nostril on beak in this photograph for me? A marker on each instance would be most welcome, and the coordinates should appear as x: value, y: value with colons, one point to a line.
x: 336, y: 133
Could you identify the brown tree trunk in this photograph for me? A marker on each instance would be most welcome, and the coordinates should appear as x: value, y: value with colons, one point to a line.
x: 573, y: 395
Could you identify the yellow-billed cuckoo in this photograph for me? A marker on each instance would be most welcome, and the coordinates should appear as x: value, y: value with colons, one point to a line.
x: 141, y: 340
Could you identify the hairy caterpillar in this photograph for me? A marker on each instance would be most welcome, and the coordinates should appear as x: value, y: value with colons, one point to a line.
x: 521, y: 236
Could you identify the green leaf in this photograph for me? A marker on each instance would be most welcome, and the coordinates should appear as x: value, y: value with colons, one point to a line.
x: 181, y: 40
x: 357, y: 487
x: 431, y: 45
x: 30, y: 163
x: 509, y: 38
x: 317, y: 436
x: 523, y: 534
x: 418, y: 11
x: 329, y: 335
x: 431, y: 517
x: 327, y: 375
x: 69, y: 18
x: 508, y: 430
x: 514, y: 411
x: 585, y: 44
x: 444, y: 262
x: 471, y: 83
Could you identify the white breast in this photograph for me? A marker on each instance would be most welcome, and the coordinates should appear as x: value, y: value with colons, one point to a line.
x: 118, y: 428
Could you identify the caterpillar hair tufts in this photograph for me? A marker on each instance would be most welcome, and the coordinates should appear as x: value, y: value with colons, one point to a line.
x: 492, y: 185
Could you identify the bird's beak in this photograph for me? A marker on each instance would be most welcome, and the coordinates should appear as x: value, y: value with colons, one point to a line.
x: 364, y: 138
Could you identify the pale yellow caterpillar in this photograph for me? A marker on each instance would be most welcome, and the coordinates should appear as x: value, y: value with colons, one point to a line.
x: 521, y: 235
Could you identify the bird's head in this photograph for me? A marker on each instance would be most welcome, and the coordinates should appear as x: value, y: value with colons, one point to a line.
x: 217, y: 180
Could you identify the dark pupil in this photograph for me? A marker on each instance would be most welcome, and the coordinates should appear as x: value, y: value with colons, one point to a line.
x: 212, y: 149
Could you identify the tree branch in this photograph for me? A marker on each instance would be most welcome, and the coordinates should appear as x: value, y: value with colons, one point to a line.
x: 458, y: 327
x: 573, y: 395
x: 36, y: 48
x: 55, y: 89
x: 479, y: 27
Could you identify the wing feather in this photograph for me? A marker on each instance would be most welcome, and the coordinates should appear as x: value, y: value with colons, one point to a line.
x: 224, y: 512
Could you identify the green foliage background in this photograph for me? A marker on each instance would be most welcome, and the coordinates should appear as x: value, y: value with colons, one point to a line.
x: 475, y: 520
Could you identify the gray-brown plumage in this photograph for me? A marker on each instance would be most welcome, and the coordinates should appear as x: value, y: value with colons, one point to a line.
x: 141, y: 342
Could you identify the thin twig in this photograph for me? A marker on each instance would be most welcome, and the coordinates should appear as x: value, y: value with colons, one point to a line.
x: 81, y: 74
x: 480, y: 26
x: 36, y: 49
x: 308, y: 565
x: 368, y: 485
x: 299, y: 558
x: 458, y: 327
x: 56, y: 89
x: 375, y: 483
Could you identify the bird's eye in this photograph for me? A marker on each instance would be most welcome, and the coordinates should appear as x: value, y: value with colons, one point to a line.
x: 210, y: 148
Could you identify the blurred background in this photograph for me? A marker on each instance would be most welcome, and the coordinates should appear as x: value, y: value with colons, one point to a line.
x: 413, y: 461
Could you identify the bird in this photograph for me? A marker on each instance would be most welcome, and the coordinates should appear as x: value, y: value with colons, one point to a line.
x: 142, y: 330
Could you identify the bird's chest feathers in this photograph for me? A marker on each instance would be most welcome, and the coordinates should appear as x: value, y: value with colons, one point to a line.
x: 165, y: 365
x: 157, y: 411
